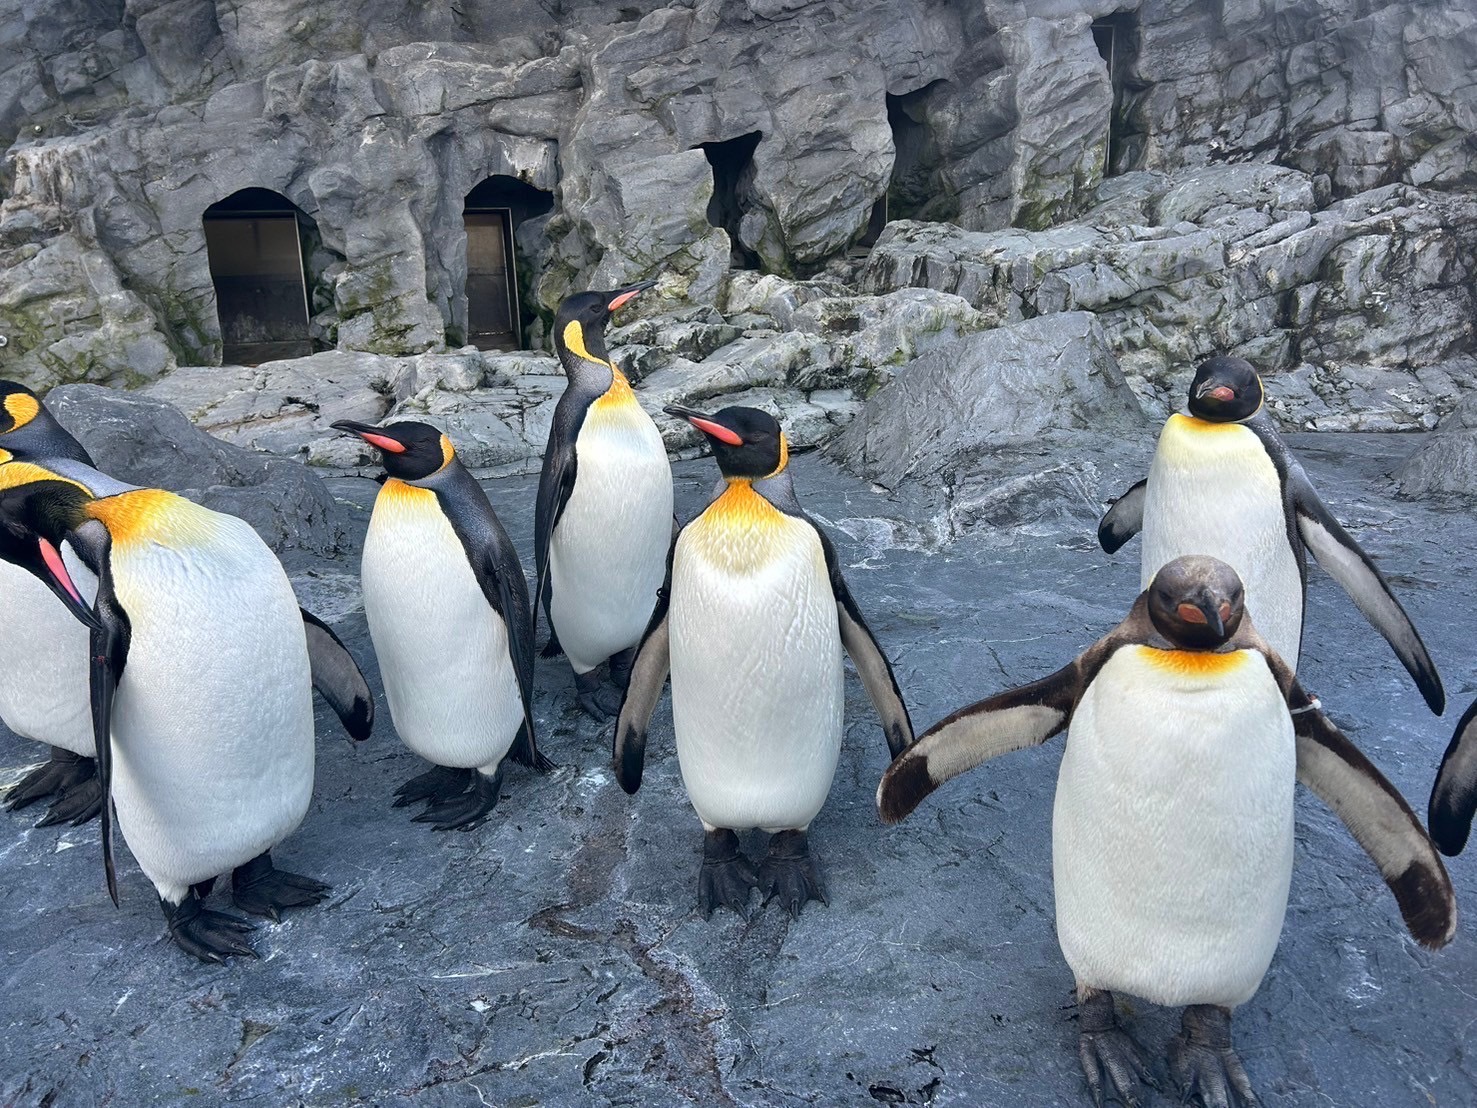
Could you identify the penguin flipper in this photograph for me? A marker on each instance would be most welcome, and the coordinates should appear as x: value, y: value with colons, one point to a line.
x: 870, y: 661
x: 649, y: 671
x: 555, y: 486
x: 1344, y: 561
x: 1124, y: 519
x: 1379, y: 819
x: 108, y: 655
x: 1454, y: 795
x: 337, y: 677
x: 1012, y: 720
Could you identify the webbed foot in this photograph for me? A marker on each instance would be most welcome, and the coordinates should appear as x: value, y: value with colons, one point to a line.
x: 788, y: 873
x: 260, y: 889
x: 209, y: 936
x: 60, y: 774
x: 77, y: 803
x: 1204, y: 1067
x: 600, y: 701
x: 1103, y: 1046
x: 726, y: 875
x: 467, y: 810
x: 437, y: 783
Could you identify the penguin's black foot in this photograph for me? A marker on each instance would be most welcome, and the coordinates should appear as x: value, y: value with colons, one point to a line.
x: 620, y: 667
x: 77, y: 803
x: 466, y: 810
x: 726, y: 876
x: 1106, y: 1047
x: 600, y: 701
x: 788, y: 873
x: 260, y: 889
x: 438, y: 783
x: 1204, y: 1067
x: 209, y: 936
x: 62, y: 771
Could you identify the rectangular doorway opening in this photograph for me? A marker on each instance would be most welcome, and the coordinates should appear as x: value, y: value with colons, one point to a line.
x: 492, y: 293
x: 256, y: 265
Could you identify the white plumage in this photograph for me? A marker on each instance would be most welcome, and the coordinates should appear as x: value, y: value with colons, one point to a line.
x: 1172, y: 833
x: 43, y: 659
x: 213, y: 718
x: 1213, y: 490
x: 442, y: 649
x: 608, y: 552
x: 757, y: 694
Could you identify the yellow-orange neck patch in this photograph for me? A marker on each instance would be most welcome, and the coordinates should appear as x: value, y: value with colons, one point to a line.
x: 574, y: 342
x: 1194, y: 663
x: 14, y: 474
x: 396, y: 493
x: 740, y: 531
x: 153, y: 515
x: 1194, y: 425
x: 21, y: 408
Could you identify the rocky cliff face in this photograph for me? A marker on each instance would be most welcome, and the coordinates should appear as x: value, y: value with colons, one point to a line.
x: 1287, y: 177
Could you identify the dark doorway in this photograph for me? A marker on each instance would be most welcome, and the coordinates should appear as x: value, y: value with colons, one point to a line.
x: 733, y: 174
x: 491, y: 215
x: 916, y: 190
x: 256, y: 265
x: 1117, y: 38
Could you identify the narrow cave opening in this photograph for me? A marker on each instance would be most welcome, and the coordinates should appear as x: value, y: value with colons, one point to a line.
x: 733, y: 172
x: 916, y: 190
x: 1117, y: 39
x: 491, y: 215
x: 254, y: 243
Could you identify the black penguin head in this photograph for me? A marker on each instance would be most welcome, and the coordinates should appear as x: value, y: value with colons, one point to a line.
x: 409, y: 451
x: 18, y: 406
x: 747, y: 442
x: 1225, y: 390
x: 1196, y: 602
x: 38, y: 512
x: 579, y: 324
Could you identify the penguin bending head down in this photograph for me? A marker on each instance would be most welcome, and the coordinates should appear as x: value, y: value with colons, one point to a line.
x: 751, y: 624
x: 43, y: 650
x: 1223, y: 483
x: 603, y: 520
x: 201, y: 677
x: 1172, y: 831
x: 447, y: 606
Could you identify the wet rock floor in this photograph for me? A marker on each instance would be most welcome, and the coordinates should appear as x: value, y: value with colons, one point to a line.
x: 553, y: 957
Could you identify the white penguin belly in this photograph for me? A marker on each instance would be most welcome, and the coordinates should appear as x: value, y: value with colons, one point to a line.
x: 608, y: 553
x: 213, y: 718
x: 1213, y: 490
x: 442, y: 650
x: 757, y: 692
x: 43, y: 660
x: 1172, y: 832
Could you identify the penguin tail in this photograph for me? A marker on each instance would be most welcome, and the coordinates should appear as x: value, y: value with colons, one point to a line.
x: 551, y: 649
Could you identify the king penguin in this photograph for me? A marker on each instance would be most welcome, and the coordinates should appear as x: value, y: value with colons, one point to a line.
x: 1223, y: 483
x: 448, y: 613
x: 43, y: 650
x: 603, y: 521
x: 201, y: 672
x: 751, y: 626
x: 1172, y: 831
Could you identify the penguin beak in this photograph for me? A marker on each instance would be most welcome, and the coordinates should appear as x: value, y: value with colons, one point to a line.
x: 621, y: 297
x: 705, y: 424
x: 1211, y: 391
x: 1204, y: 613
x: 59, y: 581
x: 371, y: 435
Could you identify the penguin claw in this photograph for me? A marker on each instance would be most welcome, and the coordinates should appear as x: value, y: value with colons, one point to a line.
x: 1105, y: 1047
x: 76, y: 805
x: 59, y: 773
x: 466, y: 810
x: 209, y: 936
x: 727, y: 875
x: 1203, y: 1064
x: 260, y: 889
x: 437, y: 783
x: 789, y: 874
